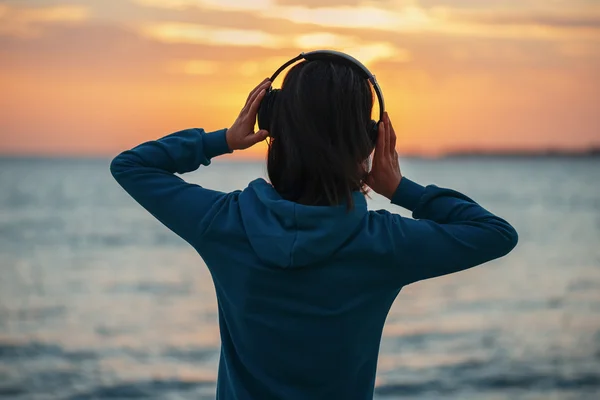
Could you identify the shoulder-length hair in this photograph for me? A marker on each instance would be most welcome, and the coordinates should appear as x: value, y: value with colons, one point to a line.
x: 319, y: 140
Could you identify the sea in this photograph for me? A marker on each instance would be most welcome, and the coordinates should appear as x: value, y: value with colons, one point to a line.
x: 98, y: 300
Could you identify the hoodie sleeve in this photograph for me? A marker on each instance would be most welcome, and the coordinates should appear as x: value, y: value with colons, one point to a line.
x: 147, y: 173
x: 450, y: 232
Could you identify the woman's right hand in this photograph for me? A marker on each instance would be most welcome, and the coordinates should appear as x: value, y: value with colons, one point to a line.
x: 385, y: 174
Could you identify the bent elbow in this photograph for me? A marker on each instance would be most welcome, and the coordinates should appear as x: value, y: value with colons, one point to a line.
x: 116, y: 165
x: 513, y: 240
x: 501, y: 238
x: 510, y: 238
x: 120, y: 164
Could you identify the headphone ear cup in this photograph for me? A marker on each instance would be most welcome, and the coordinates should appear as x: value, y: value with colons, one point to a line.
x: 373, y: 130
x: 265, y: 110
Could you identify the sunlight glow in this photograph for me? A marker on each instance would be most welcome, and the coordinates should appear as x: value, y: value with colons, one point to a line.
x: 249, y: 68
x: 366, y: 52
x: 523, y: 72
x: 324, y: 40
x: 370, y: 53
x: 194, y: 67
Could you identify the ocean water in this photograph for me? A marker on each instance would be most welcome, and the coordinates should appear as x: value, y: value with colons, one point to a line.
x: 100, y: 301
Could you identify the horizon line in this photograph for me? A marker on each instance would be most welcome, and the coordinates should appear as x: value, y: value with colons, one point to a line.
x: 589, y: 151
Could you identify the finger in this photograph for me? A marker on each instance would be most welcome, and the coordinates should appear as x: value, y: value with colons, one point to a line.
x: 378, y: 144
x: 261, y: 88
x: 390, y: 141
x: 256, y: 137
x: 393, y: 138
x: 380, y: 147
x: 253, y: 94
x: 253, y: 109
x: 256, y: 89
x: 388, y: 134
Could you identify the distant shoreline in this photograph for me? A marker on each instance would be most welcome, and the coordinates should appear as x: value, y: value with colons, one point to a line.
x: 548, y: 153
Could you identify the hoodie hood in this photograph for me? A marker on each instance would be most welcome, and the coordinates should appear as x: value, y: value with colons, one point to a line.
x: 289, y: 235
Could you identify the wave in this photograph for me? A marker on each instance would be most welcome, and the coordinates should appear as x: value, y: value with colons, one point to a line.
x: 26, y: 379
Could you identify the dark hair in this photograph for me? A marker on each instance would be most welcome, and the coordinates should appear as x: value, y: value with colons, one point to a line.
x: 319, y: 139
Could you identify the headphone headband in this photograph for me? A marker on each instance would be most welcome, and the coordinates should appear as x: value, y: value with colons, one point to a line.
x: 329, y: 55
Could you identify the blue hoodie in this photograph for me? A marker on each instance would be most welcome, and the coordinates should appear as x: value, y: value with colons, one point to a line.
x: 303, y: 291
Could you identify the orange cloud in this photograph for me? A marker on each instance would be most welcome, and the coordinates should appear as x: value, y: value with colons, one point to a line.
x: 521, y: 23
x: 178, y: 32
x: 319, y: 3
x: 29, y: 22
x: 243, y: 5
x: 487, y: 20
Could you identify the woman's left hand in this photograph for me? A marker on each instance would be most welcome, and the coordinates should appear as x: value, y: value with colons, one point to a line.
x: 241, y: 135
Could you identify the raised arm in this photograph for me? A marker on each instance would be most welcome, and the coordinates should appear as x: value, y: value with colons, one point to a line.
x: 450, y: 231
x: 147, y: 173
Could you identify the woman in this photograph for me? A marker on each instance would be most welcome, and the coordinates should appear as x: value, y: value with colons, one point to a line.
x: 304, y: 273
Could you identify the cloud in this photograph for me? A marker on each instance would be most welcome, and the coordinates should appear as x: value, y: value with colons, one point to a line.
x: 366, y: 51
x: 469, y: 18
x: 319, y: 3
x: 371, y: 53
x: 510, y: 4
x: 526, y: 24
x: 391, y: 15
x: 179, y: 32
x: 474, y: 4
x: 555, y: 20
x: 102, y: 52
x: 243, y: 5
x: 29, y: 22
x: 323, y: 40
x: 361, y: 17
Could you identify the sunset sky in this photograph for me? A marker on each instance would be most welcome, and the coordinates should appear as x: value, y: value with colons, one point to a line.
x: 95, y: 77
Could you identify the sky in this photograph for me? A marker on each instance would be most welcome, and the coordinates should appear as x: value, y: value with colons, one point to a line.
x: 92, y: 78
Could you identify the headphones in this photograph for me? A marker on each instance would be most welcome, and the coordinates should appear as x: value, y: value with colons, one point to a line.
x: 265, y: 109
